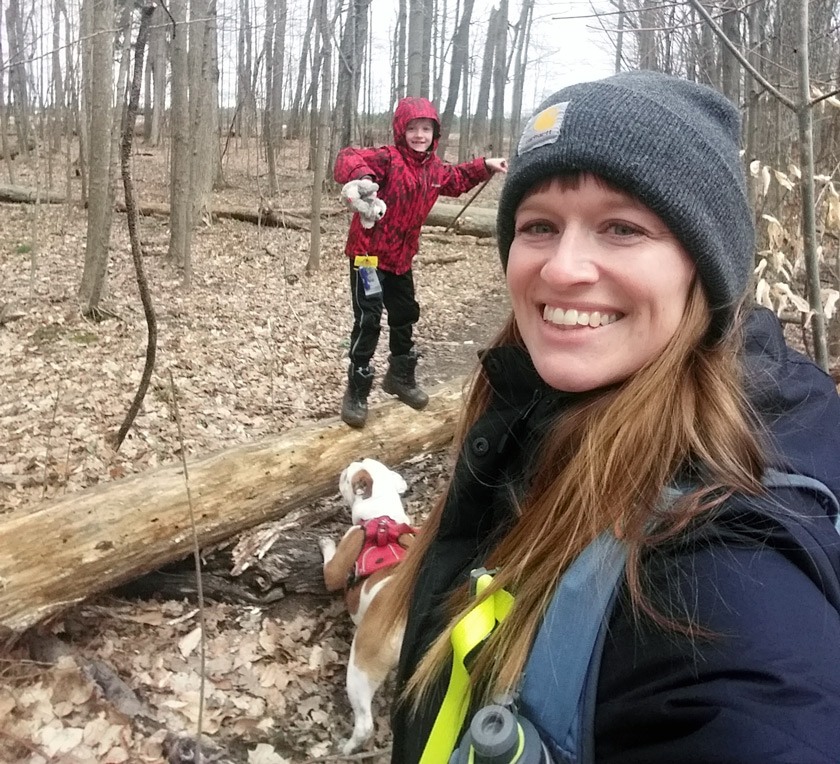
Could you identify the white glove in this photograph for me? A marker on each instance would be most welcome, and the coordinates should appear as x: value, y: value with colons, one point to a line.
x: 360, y: 196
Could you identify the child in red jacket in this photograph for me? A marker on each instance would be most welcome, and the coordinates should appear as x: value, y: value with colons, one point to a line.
x: 392, y: 189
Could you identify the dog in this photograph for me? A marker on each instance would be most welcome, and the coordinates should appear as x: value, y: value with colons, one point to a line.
x: 361, y: 565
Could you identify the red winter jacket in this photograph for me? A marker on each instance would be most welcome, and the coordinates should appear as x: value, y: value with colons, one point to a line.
x: 409, y: 184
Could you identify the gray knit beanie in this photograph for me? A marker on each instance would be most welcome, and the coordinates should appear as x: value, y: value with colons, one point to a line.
x: 673, y: 144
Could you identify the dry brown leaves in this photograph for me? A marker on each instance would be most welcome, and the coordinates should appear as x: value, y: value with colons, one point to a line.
x: 255, y: 348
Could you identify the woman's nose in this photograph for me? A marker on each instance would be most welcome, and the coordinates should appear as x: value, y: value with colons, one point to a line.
x: 572, y: 260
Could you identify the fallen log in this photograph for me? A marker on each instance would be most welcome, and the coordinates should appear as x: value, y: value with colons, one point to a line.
x: 476, y: 221
x: 23, y: 195
x: 272, y: 218
x: 59, y: 553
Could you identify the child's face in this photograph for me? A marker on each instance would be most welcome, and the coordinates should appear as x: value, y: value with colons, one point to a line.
x: 419, y: 133
x: 598, y: 283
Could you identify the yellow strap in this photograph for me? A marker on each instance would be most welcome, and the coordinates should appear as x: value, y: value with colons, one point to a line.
x: 467, y: 634
x: 362, y: 261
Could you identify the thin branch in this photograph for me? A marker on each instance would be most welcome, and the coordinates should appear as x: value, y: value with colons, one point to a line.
x: 698, y: 6
x: 199, y: 584
x: 49, y: 438
x: 824, y: 97
x: 132, y: 219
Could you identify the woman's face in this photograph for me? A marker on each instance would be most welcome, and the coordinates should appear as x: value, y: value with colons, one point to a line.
x: 598, y: 283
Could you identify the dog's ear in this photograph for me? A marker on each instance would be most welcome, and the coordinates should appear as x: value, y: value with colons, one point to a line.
x: 362, y: 484
x: 400, y: 486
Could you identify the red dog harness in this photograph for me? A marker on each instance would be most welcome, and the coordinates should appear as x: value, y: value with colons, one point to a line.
x: 381, y: 548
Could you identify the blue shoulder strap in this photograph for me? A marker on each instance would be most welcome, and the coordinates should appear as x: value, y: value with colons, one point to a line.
x: 564, y: 648
x: 559, y: 687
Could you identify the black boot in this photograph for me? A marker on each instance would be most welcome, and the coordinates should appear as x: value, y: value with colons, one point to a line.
x: 354, y: 408
x: 400, y: 381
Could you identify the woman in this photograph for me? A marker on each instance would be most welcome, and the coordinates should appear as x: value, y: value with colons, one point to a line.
x: 628, y: 369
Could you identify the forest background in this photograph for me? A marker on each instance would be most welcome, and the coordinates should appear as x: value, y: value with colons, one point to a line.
x: 172, y: 285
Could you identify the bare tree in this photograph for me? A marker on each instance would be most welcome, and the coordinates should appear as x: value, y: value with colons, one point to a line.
x: 500, y: 71
x: 268, y: 124
x: 179, y: 180
x: 398, y: 66
x: 298, y: 105
x: 523, y: 37
x: 479, y: 136
x: 156, y: 77
x: 100, y: 185
x: 351, y: 56
x: 418, y: 66
x: 322, y: 139
x: 244, y: 72
x: 802, y: 107
x: 460, y: 52
x: 646, y: 35
x: 18, y: 75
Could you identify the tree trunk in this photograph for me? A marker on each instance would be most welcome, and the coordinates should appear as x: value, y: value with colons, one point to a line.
x: 416, y: 65
x: 523, y: 40
x: 244, y: 73
x: 500, y: 71
x: 100, y: 538
x: 647, y: 36
x: 479, y: 136
x: 619, y: 37
x: 279, y: 50
x: 399, y: 66
x: 350, y: 64
x: 460, y: 53
x: 268, y: 125
x: 298, y: 106
x: 179, y: 175
x: 426, y: 60
x: 806, y: 163
x: 441, y: 16
x: 18, y: 76
x: 204, y: 130
x: 57, y: 79
x: 100, y: 185
x: 157, y: 64
x: 730, y: 69
x: 322, y: 141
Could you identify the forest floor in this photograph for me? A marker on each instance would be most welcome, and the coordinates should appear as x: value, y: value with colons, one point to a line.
x: 256, y: 348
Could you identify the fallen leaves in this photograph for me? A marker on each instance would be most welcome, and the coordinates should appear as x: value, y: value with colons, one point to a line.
x: 255, y: 348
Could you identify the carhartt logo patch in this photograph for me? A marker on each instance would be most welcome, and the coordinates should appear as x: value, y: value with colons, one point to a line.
x: 543, y: 128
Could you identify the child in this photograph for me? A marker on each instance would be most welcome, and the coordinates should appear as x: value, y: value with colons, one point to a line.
x: 401, y: 182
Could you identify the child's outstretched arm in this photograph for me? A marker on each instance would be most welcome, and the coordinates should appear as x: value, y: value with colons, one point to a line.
x: 460, y: 178
x: 496, y: 164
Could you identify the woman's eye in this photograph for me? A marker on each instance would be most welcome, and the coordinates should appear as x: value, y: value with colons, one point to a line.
x: 624, y: 229
x: 535, y: 228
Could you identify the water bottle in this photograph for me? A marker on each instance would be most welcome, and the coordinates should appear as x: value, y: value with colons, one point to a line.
x: 494, y: 738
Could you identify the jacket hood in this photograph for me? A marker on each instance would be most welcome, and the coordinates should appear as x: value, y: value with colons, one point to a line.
x: 796, y: 401
x: 414, y: 108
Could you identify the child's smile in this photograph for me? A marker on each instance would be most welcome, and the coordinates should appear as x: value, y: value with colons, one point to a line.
x: 420, y: 133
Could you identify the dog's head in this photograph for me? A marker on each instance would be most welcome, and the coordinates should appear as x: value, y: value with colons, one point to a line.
x: 371, y: 490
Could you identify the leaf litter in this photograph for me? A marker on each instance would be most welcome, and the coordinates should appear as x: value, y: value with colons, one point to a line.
x: 256, y: 348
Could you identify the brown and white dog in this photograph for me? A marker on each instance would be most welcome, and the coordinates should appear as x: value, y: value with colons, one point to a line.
x: 361, y: 565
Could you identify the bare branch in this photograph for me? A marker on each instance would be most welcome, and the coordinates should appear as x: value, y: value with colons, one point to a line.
x: 698, y: 6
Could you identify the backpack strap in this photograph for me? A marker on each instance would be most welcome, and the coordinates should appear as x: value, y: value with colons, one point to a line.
x: 560, y: 683
x: 567, y: 648
x: 776, y: 479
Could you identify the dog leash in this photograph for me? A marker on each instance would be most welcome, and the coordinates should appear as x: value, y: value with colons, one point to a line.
x: 466, y: 636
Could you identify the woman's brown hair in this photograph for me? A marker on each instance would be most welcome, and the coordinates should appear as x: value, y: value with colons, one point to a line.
x: 603, y: 466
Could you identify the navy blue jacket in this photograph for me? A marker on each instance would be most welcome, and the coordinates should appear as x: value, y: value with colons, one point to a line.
x: 764, y: 577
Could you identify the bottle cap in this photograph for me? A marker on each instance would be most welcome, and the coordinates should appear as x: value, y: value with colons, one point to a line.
x: 495, y: 734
